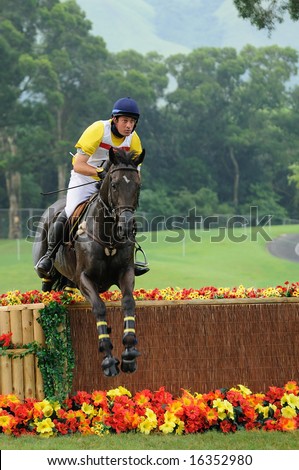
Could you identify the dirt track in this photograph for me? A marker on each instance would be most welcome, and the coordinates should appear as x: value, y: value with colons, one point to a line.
x: 285, y: 246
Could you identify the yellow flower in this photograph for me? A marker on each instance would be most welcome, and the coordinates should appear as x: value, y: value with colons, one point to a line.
x: 42, y: 405
x: 55, y: 405
x: 48, y: 411
x: 5, y: 421
x: 151, y: 416
x: 88, y: 409
x: 12, y: 398
x: 288, y: 412
x: 45, y: 426
x: 145, y: 427
x: 264, y: 410
x: 99, y: 429
x: 244, y: 390
x: 148, y: 423
x: 180, y: 428
x: 224, y: 407
x: 167, y: 427
x: 290, y: 399
x: 118, y: 392
x: 175, y: 406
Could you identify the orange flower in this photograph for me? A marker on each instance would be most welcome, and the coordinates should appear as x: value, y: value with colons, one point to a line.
x: 99, y: 398
x: 292, y: 387
x: 287, y: 424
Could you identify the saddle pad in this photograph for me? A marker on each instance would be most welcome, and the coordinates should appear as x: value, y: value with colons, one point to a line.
x: 79, y: 213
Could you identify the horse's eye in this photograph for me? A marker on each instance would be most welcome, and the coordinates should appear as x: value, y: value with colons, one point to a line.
x: 114, y: 186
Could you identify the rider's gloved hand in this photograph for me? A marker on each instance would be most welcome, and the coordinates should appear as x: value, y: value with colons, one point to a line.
x: 101, y: 173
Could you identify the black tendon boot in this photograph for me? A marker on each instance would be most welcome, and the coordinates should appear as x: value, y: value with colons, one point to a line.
x: 140, y: 267
x: 45, y: 264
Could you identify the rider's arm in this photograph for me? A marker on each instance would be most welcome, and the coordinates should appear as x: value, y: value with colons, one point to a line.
x: 87, y: 145
x: 91, y: 138
x: 81, y: 166
x: 136, y: 145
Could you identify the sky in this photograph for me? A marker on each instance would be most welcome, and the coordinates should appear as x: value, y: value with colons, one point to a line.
x: 109, y: 17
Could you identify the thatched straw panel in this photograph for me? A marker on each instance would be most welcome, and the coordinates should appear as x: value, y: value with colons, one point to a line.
x: 195, y: 345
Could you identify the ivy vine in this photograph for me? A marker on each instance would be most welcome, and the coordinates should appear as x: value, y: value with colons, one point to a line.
x: 56, y: 360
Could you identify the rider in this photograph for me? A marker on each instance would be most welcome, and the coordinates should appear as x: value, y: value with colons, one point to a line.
x: 92, y: 150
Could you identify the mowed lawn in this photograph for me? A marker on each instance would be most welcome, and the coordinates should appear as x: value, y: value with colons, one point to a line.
x: 180, y: 259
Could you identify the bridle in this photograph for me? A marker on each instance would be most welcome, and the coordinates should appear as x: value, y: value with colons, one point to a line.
x: 118, y: 210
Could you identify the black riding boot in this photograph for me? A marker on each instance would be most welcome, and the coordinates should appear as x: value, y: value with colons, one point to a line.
x: 140, y: 267
x: 45, y: 264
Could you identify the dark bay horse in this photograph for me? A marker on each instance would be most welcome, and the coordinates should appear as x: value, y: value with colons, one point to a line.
x: 101, y: 253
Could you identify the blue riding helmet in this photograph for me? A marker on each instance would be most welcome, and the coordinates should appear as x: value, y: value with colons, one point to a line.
x: 126, y: 107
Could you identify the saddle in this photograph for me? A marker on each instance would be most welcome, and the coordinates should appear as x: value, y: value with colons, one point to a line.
x: 75, y: 219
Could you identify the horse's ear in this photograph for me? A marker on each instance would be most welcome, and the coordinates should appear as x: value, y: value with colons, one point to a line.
x: 139, y: 159
x: 112, y: 156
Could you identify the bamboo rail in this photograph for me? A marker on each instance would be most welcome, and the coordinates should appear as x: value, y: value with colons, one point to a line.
x: 21, y: 375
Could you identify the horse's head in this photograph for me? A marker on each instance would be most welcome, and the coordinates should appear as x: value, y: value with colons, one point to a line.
x: 120, y: 189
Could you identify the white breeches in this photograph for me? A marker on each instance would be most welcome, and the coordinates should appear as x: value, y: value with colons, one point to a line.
x: 77, y: 195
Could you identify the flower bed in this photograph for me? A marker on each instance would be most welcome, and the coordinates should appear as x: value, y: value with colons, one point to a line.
x: 169, y: 293
x: 117, y: 411
x: 228, y: 329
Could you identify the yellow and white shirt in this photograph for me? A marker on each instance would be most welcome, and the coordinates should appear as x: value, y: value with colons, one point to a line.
x: 97, y: 139
x: 95, y: 142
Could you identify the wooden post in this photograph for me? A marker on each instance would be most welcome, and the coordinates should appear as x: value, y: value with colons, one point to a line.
x: 29, y: 363
x: 6, y: 375
x: 16, y: 326
x: 40, y: 338
x: 18, y: 377
x: 4, y: 322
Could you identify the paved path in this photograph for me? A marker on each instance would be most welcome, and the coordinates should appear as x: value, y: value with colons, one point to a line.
x: 285, y: 246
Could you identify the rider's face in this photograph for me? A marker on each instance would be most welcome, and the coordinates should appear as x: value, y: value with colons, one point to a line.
x: 124, y: 124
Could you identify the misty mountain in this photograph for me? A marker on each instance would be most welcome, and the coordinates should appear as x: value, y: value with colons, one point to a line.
x: 173, y: 26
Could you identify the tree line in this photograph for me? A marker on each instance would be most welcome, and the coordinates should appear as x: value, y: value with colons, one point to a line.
x: 220, y: 127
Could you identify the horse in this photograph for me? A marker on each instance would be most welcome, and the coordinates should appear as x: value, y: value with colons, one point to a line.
x: 101, y: 253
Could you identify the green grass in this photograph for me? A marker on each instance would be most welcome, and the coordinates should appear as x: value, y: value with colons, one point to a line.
x: 185, y: 263
x: 247, y: 440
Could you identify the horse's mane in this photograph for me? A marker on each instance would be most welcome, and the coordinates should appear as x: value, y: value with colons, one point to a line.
x: 124, y: 157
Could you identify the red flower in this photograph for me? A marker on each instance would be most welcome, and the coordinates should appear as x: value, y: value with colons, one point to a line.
x: 5, y: 340
x: 226, y: 426
x: 82, y: 397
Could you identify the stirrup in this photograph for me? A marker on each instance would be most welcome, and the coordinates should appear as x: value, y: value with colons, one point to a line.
x: 140, y: 267
x: 43, y: 272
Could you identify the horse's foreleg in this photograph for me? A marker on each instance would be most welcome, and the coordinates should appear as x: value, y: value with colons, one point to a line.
x: 109, y: 363
x: 130, y: 353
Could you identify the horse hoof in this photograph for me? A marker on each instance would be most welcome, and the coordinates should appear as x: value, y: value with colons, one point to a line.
x: 128, y: 367
x: 128, y: 364
x: 110, y: 366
